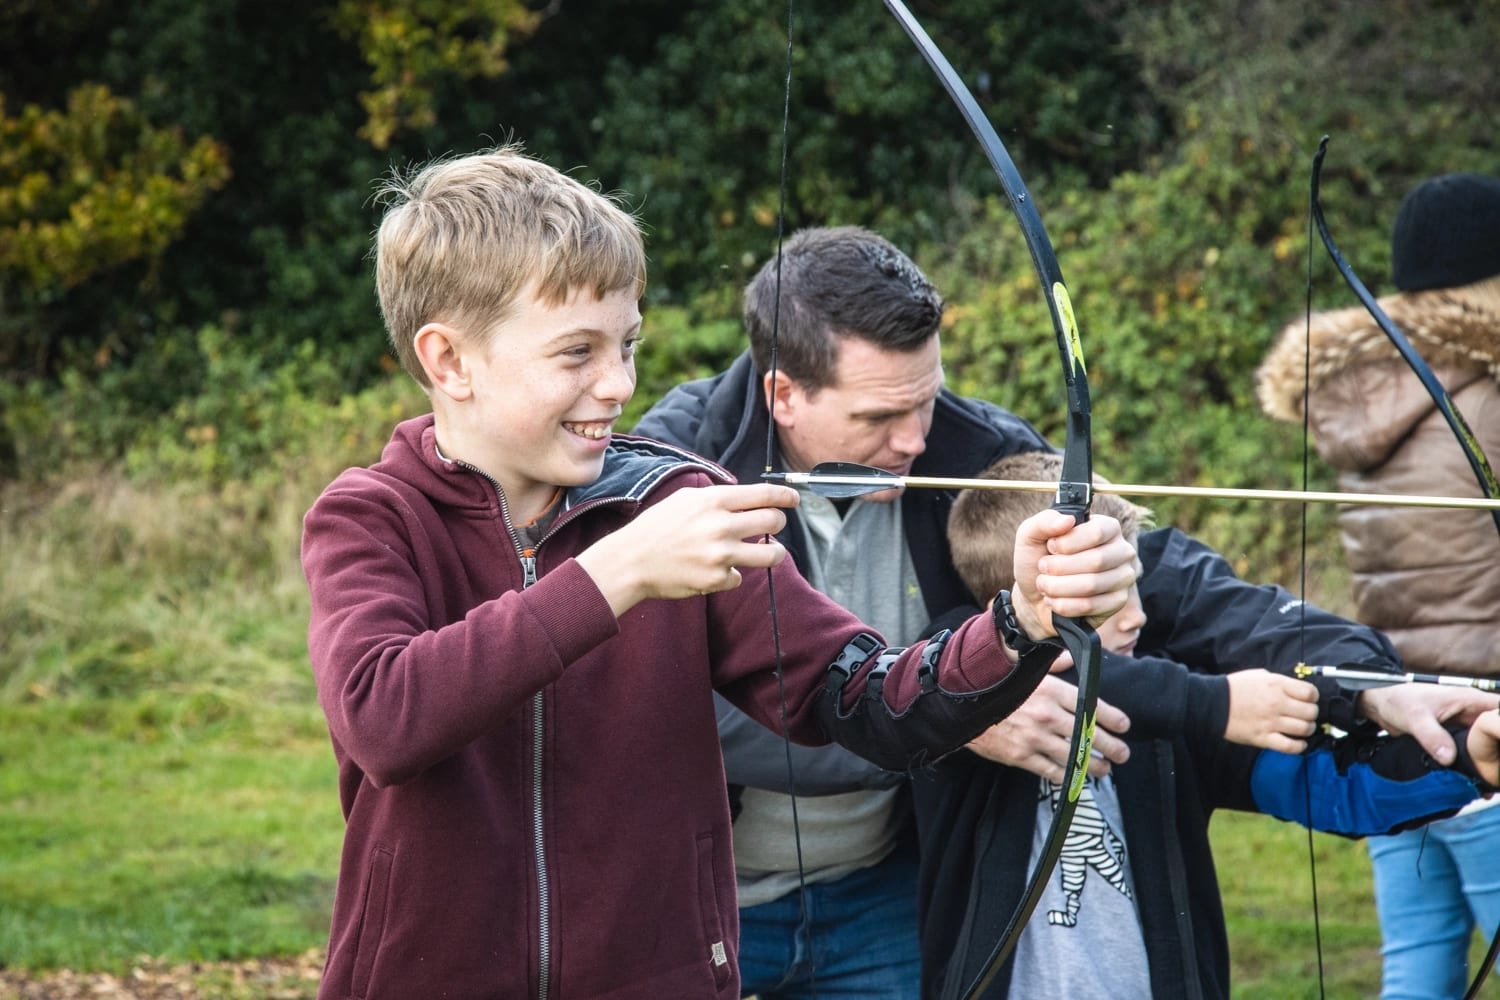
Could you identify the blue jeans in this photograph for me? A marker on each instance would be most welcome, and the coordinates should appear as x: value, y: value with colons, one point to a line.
x: 1431, y: 885
x: 859, y: 938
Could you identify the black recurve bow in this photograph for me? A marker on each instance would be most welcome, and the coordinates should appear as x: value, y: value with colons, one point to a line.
x: 1074, y: 490
x: 1483, y: 474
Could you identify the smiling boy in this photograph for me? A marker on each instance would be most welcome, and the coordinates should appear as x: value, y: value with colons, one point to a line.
x: 519, y: 619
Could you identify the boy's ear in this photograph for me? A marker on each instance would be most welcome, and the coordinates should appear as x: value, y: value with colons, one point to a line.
x: 439, y: 348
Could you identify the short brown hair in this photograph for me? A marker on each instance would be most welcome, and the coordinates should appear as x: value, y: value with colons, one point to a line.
x: 463, y: 238
x: 983, y: 524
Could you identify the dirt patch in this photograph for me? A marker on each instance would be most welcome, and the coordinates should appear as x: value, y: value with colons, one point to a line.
x: 258, y: 979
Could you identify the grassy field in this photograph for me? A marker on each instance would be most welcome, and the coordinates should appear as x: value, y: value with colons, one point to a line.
x: 167, y: 792
x: 129, y: 844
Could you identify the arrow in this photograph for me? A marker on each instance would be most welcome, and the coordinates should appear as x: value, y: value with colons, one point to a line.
x: 1357, y: 680
x: 842, y: 480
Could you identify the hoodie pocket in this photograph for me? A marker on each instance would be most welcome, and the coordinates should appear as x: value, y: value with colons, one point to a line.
x: 372, y: 920
x: 711, y: 895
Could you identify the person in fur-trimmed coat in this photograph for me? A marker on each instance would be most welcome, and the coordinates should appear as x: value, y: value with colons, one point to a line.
x: 1430, y: 579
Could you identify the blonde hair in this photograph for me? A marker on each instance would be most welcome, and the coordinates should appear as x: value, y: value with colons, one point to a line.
x: 983, y: 524
x: 463, y: 238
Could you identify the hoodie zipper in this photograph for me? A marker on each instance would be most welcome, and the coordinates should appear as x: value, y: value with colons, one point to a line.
x: 538, y: 830
x: 528, y: 561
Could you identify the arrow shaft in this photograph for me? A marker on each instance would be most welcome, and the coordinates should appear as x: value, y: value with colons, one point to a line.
x: 1376, y: 678
x: 881, y: 481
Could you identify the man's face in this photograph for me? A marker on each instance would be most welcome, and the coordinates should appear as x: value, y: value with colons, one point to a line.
x: 877, y: 411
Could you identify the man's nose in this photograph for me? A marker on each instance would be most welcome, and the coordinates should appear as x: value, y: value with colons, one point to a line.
x: 909, y: 436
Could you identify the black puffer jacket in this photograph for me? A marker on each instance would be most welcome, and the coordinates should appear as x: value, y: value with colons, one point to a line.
x: 975, y: 819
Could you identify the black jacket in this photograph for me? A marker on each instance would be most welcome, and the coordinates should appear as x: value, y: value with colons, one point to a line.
x: 975, y: 819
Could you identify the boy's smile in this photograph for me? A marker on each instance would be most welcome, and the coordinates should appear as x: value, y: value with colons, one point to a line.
x: 533, y: 404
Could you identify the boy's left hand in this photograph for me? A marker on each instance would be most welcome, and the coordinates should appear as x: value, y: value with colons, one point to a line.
x: 1270, y: 711
x: 1074, y: 570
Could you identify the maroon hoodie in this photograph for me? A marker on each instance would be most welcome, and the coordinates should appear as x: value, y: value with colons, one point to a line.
x: 533, y: 791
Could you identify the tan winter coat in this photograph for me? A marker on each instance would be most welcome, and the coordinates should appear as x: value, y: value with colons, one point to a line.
x: 1429, y: 578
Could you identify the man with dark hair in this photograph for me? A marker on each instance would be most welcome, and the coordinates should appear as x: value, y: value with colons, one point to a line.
x: 858, y: 377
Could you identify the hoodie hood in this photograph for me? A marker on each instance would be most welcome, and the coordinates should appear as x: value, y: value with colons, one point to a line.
x: 633, y: 467
x: 1365, y: 399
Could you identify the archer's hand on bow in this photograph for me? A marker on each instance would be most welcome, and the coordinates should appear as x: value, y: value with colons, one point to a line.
x: 1270, y: 710
x: 1074, y: 570
x: 1421, y: 710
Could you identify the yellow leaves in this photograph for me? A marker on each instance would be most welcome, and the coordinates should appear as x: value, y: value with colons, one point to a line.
x: 411, y: 45
x: 1159, y: 304
x: 87, y: 188
x: 955, y: 314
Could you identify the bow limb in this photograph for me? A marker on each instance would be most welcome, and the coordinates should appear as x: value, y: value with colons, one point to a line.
x: 1480, y: 465
x: 1074, y: 490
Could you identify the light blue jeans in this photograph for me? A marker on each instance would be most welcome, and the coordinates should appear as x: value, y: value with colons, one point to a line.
x: 1431, y: 886
x: 859, y: 938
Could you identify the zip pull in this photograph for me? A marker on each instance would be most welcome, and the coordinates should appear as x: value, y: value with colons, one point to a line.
x: 528, y: 567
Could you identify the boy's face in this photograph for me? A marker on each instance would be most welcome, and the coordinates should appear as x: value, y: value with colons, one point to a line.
x: 877, y: 411
x: 547, y: 388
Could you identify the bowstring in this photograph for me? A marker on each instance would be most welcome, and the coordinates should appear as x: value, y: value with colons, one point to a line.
x: 791, y: 778
x: 1312, y: 857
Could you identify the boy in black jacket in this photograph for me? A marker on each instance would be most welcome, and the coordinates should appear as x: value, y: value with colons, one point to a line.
x: 1136, y: 878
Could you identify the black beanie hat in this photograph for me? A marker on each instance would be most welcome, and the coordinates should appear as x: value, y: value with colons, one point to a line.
x: 1447, y: 233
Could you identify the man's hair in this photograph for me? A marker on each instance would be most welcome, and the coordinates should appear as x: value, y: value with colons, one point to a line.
x: 843, y: 281
x: 983, y: 524
x: 463, y: 238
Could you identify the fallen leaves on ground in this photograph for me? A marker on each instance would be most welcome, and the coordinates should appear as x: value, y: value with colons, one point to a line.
x: 257, y: 979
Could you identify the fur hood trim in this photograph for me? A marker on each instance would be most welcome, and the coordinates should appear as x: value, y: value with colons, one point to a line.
x: 1450, y: 327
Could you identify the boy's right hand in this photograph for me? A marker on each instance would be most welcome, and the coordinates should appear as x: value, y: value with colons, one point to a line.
x: 690, y: 544
x: 1270, y: 711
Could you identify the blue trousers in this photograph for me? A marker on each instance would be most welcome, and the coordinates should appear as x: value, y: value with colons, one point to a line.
x: 858, y: 938
x: 1431, y: 886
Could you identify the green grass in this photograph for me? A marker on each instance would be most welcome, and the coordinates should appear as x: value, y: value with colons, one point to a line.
x: 198, y: 843
x: 1267, y: 884
x: 166, y: 782
x: 167, y: 789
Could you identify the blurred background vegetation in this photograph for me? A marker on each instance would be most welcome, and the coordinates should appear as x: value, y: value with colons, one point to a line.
x: 190, y: 347
x: 185, y: 197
